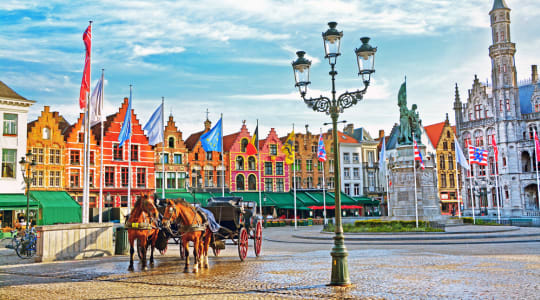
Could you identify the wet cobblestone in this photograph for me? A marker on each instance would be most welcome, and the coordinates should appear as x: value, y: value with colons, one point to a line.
x: 293, y: 270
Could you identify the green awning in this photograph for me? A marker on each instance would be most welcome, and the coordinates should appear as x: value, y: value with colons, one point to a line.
x: 366, y: 200
x: 345, y: 199
x: 16, y: 202
x: 198, y: 198
x: 56, y: 207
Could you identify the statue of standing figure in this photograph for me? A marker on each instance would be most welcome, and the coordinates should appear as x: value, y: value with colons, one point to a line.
x: 409, y: 120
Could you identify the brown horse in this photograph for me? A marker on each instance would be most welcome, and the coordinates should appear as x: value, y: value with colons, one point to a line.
x: 192, y: 228
x: 142, y: 226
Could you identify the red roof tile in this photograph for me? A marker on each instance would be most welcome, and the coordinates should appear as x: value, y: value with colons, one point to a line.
x: 434, y: 132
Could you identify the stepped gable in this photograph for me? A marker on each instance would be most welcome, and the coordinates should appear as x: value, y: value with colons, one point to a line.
x: 62, y: 124
x: 71, y: 132
x: 7, y: 92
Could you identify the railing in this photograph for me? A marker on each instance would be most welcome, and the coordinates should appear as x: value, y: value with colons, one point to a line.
x: 478, y: 123
x: 531, y: 116
x: 368, y: 165
x: 373, y: 189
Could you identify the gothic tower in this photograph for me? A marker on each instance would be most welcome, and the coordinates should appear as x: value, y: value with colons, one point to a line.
x: 458, y: 108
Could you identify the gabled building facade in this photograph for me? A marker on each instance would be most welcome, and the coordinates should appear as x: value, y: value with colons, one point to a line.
x: 46, y: 141
x: 243, y: 171
x: 275, y: 173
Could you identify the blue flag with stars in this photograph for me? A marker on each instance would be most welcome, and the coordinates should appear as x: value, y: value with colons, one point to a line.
x: 212, y: 140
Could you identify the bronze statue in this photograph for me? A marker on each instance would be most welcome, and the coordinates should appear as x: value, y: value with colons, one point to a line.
x: 409, y: 120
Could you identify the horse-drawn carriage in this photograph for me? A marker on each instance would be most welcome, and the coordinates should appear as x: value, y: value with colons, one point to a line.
x: 238, y: 222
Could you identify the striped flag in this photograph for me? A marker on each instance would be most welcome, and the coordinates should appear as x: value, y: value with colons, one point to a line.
x: 478, y: 156
x: 253, y: 146
x: 418, y: 155
x: 537, y: 146
x: 495, y: 149
x: 321, y: 153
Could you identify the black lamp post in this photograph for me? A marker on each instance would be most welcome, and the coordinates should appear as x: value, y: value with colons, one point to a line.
x: 27, y: 164
x: 365, y: 56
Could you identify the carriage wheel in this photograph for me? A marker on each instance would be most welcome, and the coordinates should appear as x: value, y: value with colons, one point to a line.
x: 242, y: 243
x: 257, y: 237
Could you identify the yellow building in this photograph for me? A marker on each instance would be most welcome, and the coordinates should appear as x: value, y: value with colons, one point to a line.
x: 46, y: 141
x: 442, y: 137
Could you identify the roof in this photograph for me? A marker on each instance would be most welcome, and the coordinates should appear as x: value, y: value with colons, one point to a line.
x: 434, y: 132
x: 7, y: 92
x: 228, y: 140
x: 344, y: 138
x: 16, y: 202
x: 192, y: 140
x: 498, y: 4
x: 525, y: 94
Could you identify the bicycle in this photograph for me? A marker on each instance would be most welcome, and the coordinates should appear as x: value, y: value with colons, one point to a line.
x: 28, y: 245
x: 15, y: 239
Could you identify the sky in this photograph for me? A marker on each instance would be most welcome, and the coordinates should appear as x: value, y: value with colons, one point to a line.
x: 234, y: 57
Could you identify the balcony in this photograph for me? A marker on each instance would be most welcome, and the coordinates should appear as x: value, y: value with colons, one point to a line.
x: 367, y: 165
x: 373, y: 190
x: 478, y: 123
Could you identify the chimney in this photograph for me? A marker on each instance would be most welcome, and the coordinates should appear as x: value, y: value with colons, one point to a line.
x: 349, y: 129
x: 534, y: 75
x: 381, y: 133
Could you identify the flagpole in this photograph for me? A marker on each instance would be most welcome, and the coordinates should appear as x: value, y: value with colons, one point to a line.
x: 163, y: 148
x: 323, y: 190
x: 85, y: 143
x: 457, y: 187
x: 536, y: 167
x: 473, y: 175
x: 387, y: 191
x: 101, y: 156
x: 222, y: 156
x: 259, y: 167
x: 294, y: 175
x: 129, y: 156
x: 497, y: 189
x: 415, y: 196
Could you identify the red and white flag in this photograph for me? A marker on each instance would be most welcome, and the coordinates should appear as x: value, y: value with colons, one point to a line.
x: 85, y: 83
x: 418, y: 155
x: 478, y: 156
x: 495, y: 149
x: 537, y: 146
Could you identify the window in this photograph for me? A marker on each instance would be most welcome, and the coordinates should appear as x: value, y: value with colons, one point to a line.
x: 239, y: 163
x: 196, y: 156
x: 477, y: 111
x: 452, y: 182
x: 181, y: 180
x: 240, y: 182
x: 244, y: 144
x: 508, y: 104
x: 279, y: 168
x: 134, y: 152
x: 280, y: 187
x: 490, y: 135
x: 467, y: 139
x: 251, y: 163
x: 478, y: 138
x: 356, y: 189
x: 309, y: 182
x: 442, y: 164
x: 330, y: 182
x: 171, y: 180
x: 355, y: 158
x: 296, y: 147
x: 347, y: 189
x: 159, y: 180
x: 178, y: 159
x: 443, y: 180
x: 297, y: 165
x: 500, y: 105
x: 267, y: 168
x: 54, y: 156
x: 450, y: 161
x: 38, y: 178
x: 124, y: 177
x: 309, y: 165
x: 482, y: 170
x: 10, y: 124
x: 46, y: 134
x: 91, y: 178
x: 268, y: 185
x: 54, y: 178
x: 81, y: 137
x: 448, y: 134
x: 109, y: 176
x: 141, y: 177
x: 171, y: 142
x: 347, y: 173
x: 74, y: 178
x: 209, y: 178
x: 165, y: 157
x: 38, y: 155
x: 92, y: 157
x: 273, y: 149
x: 371, y: 181
x: 445, y: 145
x: 356, y: 173
x: 252, y: 182
x: 346, y: 158
x: 209, y: 155
x: 314, y: 148
x: 532, y: 129
x: 331, y: 166
x: 320, y: 166
x: 117, y: 152
x: 298, y: 182
x: 75, y: 157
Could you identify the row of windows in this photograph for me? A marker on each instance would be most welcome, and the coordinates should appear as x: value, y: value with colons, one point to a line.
x: 355, y: 157
x: 208, y: 156
x: 252, y: 183
x: 356, y: 190
x: 55, y: 179
x: 347, y: 173
x: 479, y: 137
x: 308, y: 182
x: 173, y: 180
x: 177, y: 158
x: 124, y: 176
x: 297, y: 166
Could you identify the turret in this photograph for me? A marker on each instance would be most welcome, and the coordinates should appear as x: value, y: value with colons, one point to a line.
x: 458, y: 108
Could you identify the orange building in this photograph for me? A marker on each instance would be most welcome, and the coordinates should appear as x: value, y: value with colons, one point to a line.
x: 205, y: 169
x: 175, y: 156
x: 46, y: 141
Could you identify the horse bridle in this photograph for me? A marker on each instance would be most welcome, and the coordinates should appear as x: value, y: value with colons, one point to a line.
x: 173, y: 210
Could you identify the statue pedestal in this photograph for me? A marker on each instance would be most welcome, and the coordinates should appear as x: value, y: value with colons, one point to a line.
x: 402, y: 206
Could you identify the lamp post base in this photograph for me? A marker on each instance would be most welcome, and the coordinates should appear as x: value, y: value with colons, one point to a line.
x: 340, y: 269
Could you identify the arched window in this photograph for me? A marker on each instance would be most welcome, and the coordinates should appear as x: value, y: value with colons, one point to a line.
x: 239, y: 163
x: 448, y: 134
x: 252, y: 182
x: 244, y: 142
x: 251, y: 163
x: 240, y: 182
x: 46, y: 133
x: 478, y: 138
x: 171, y: 142
x: 532, y: 129
x: 467, y: 138
x: 490, y: 135
x: 441, y: 164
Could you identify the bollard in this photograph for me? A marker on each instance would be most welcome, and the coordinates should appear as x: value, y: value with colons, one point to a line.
x: 121, y: 241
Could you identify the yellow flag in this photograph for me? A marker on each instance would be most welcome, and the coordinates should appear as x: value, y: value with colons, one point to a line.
x: 288, y: 149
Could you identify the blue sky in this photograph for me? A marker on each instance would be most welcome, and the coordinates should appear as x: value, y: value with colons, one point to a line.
x: 233, y: 57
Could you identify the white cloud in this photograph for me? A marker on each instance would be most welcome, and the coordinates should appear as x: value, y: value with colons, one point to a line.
x: 139, y: 50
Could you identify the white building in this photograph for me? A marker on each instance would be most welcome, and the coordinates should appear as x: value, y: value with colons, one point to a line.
x: 13, y: 114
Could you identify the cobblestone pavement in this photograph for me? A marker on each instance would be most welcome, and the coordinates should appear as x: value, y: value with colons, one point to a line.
x: 294, y: 268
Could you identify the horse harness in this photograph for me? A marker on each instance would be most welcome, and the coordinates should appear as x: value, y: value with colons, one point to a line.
x: 194, y: 225
x: 144, y: 225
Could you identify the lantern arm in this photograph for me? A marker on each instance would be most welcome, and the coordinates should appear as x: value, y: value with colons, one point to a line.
x: 320, y: 104
x: 349, y: 99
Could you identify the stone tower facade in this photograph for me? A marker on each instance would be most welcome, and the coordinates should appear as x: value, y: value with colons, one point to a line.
x: 506, y: 112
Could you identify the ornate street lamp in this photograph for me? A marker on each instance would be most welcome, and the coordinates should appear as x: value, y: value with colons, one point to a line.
x: 27, y: 167
x: 365, y: 56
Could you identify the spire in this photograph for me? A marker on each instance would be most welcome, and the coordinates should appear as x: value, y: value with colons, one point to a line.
x: 457, y: 95
x: 498, y: 4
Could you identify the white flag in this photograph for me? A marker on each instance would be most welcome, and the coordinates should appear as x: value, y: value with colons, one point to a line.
x: 96, y: 103
x: 460, y: 158
x: 154, y: 126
